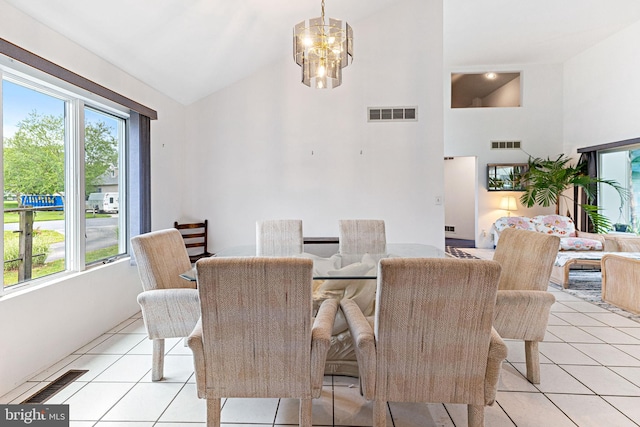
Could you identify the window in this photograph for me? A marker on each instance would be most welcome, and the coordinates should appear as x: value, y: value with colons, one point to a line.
x: 622, y: 166
x: 52, y: 168
x: 103, y: 147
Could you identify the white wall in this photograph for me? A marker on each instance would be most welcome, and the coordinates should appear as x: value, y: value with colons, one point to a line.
x: 506, y: 96
x: 42, y: 326
x: 601, y: 92
x: 537, y: 123
x: 460, y: 202
x: 270, y: 147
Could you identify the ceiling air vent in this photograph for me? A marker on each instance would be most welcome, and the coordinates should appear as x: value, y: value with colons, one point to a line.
x: 505, y: 145
x: 393, y: 114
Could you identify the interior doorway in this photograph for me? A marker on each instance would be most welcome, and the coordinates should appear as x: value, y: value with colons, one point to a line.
x: 460, y: 176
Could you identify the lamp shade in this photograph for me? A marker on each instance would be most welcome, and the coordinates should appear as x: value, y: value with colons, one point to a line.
x: 508, y: 203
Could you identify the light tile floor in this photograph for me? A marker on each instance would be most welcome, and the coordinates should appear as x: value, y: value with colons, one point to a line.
x: 590, y: 368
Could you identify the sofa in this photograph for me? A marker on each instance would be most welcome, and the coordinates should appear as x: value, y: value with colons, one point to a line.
x: 556, y: 225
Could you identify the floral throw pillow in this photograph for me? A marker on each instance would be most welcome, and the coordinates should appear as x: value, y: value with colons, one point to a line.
x: 519, y: 222
x: 555, y: 225
x: 579, y: 244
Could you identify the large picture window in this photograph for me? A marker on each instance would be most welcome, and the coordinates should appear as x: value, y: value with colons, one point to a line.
x: 64, y: 187
x: 623, y: 166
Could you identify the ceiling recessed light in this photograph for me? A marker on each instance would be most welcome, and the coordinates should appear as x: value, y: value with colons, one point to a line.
x: 491, y: 76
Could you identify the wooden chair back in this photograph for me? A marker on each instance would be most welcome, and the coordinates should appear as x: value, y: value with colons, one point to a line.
x: 195, y: 238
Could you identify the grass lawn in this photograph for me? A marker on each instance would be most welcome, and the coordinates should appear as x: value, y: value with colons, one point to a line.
x: 11, y: 276
x: 44, y: 238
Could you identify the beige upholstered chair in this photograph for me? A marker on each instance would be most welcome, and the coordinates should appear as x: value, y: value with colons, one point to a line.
x: 281, y: 237
x: 523, y: 303
x: 170, y: 305
x: 431, y: 339
x: 360, y: 236
x: 256, y: 337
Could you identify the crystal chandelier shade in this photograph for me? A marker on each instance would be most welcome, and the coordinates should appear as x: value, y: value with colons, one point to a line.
x: 322, y: 50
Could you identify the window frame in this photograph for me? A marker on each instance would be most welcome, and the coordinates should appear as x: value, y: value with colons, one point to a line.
x: 76, y: 99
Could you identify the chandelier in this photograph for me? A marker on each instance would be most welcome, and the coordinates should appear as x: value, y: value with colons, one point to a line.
x: 322, y: 50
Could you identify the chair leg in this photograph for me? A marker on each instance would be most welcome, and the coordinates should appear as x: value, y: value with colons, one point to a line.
x: 213, y: 412
x: 475, y: 415
x: 532, y: 357
x: 157, y: 366
x: 305, y: 412
x: 379, y: 413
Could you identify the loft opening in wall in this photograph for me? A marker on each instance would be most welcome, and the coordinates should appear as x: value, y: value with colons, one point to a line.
x: 490, y: 89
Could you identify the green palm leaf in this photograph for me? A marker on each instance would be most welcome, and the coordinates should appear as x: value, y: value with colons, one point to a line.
x: 546, y: 181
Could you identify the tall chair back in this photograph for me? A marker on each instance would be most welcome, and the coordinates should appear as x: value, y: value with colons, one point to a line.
x: 360, y: 236
x: 161, y: 257
x: 527, y: 258
x: 282, y: 237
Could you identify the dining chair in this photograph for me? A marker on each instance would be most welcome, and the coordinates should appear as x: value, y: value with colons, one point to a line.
x: 170, y: 304
x: 279, y: 237
x: 431, y: 339
x: 195, y: 236
x: 523, y: 303
x: 360, y: 236
x: 257, y: 337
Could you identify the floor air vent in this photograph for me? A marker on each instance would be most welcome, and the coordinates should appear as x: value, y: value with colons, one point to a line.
x: 56, y: 385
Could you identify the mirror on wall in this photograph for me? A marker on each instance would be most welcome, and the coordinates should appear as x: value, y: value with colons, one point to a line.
x: 478, y: 90
x: 505, y: 176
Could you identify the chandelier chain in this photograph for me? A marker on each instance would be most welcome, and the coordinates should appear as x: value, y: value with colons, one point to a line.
x: 322, y: 12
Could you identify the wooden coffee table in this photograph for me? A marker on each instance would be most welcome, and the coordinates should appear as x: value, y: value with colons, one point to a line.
x: 560, y: 274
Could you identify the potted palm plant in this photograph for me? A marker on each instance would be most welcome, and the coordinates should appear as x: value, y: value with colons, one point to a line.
x: 547, y: 180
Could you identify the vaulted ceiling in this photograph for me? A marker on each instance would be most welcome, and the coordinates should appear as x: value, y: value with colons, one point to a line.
x: 188, y: 49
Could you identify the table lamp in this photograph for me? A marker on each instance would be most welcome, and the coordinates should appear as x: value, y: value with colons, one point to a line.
x: 508, y: 203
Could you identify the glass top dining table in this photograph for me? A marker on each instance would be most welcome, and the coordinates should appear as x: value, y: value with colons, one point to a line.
x: 341, y: 266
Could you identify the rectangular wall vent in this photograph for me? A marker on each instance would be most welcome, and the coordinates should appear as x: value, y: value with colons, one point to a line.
x: 392, y: 114
x: 505, y: 145
x: 450, y: 228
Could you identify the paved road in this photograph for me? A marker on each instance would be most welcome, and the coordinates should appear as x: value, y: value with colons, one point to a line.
x: 101, y: 233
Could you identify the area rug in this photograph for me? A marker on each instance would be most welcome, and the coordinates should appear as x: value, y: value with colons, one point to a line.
x: 458, y: 253
x: 584, y: 284
x: 587, y: 285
